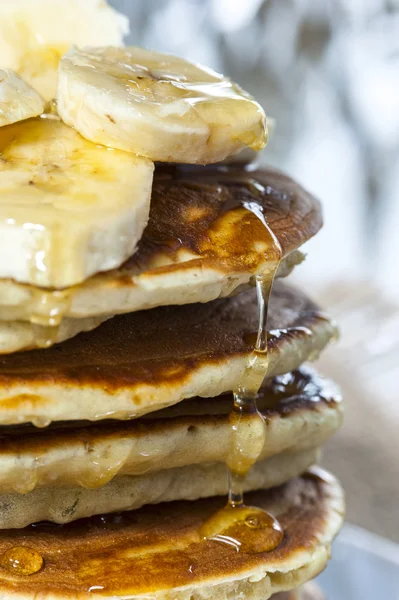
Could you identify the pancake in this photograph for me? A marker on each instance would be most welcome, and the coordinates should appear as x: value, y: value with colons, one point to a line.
x: 138, y: 363
x: 301, y: 410
x: 21, y: 335
x: 200, y: 244
x: 156, y: 553
x: 16, y: 336
x: 69, y: 503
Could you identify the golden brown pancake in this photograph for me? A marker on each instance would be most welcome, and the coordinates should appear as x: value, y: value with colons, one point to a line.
x: 141, y: 362
x: 129, y: 492
x: 205, y: 239
x: 301, y: 409
x: 157, y: 552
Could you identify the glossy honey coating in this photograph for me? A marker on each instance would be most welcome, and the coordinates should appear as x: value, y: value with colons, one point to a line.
x: 158, y: 551
x: 157, y: 105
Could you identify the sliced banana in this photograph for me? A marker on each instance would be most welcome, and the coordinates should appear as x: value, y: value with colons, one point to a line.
x: 34, y: 34
x: 157, y: 105
x: 18, y: 100
x: 68, y: 208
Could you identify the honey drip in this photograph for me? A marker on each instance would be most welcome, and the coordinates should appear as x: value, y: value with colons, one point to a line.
x: 49, y: 307
x: 247, y: 528
x: 21, y: 560
x: 45, y: 335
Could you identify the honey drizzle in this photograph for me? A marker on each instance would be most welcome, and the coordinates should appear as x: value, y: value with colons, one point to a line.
x: 247, y: 445
x: 49, y: 307
x: 249, y: 529
x: 49, y: 312
x: 45, y: 335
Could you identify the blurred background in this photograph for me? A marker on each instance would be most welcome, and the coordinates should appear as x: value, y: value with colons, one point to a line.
x: 327, y: 71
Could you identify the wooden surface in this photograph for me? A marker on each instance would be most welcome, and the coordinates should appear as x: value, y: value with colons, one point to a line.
x: 365, y: 362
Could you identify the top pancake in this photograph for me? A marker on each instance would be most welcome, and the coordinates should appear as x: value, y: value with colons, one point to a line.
x: 141, y: 362
x: 156, y: 553
x: 205, y: 239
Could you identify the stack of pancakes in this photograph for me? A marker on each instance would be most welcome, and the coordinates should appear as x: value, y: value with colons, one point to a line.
x: 117, y: 388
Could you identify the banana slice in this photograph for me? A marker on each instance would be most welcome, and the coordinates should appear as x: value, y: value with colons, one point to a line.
x: 34, y: 34
x: 18, y: 100
x: 68, y: 208
x: 157, y: 105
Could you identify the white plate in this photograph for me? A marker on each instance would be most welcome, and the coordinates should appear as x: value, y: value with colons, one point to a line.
x: 363, y: 567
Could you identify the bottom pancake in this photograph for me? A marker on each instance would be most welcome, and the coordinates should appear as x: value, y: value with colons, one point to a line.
x: 157, y: 553
x: 66, y: 504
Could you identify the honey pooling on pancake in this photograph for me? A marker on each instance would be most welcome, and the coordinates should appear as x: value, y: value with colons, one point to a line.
x: 46, y: 335
x: 21, y: 560
x: 245, y: 528
x: 248, y: 528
